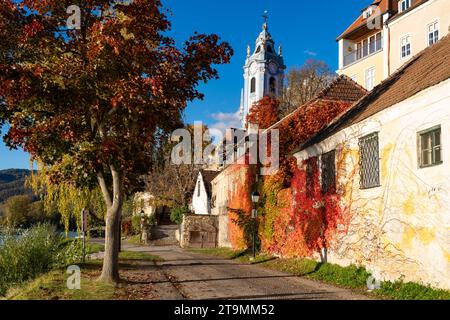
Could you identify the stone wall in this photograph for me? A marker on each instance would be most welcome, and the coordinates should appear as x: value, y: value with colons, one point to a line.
x: 199, y: 231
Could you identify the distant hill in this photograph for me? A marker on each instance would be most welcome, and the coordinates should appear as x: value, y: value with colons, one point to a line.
x: 12, y: 183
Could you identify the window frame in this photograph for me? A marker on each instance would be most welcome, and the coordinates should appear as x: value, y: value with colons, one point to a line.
x: 253, y: 85
x: 332, y: 186
x: 409, y: 42
x: 401, y: 2
x: 420, y: 151
x: 362, y: 184
x: 366, y: 72
x: 428, y: 33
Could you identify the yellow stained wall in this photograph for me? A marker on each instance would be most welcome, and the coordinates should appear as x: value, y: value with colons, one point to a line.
x: 415, y: 24
x: 357, y: 71
x: 400, y: 230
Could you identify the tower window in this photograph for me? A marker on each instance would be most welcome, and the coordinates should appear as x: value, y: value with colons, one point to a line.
x: 272, y: 86
x: 253, y: 85
x: 269, y: 49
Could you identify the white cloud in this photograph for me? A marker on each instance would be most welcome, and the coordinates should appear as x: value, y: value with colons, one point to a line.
x: 226, y: 121
x: 310, y: 53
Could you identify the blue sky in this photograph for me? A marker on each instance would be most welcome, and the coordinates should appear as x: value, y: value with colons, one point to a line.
x: 305, y: 29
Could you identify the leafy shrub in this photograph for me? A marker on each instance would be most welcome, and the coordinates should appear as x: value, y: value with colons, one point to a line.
x: 35, y: 251
x: 177, y: 213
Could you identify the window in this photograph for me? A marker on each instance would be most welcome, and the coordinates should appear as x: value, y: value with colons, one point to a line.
x: 369, y: 161
x: 198, y: 188
x: 359, y: 50
x: 433, y: 33
x: 328, y: 170
x: 378, y: 42
x: 272, y: 86
x: 404, y: 5
x: 368, y: 12
x: 430, y: 151
x: 369, y: 46
x: 405, y: 44
x: 365, y: 48
x: 370, y: 78
x: 253, y: 85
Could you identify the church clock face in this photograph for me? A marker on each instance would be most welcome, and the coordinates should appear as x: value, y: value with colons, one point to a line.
x: 273, y: 68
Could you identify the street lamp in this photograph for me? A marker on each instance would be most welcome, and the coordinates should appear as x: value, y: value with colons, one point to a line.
x: 255, y: 200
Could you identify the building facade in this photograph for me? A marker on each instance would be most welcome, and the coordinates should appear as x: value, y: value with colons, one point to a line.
x: 201, y: 197
x: 387, y: 34
x: 391, y: 163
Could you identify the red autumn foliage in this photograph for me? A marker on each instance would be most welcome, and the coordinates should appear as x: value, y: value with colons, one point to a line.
x: 309, y: 220
x: 305, y: 221
x: 264, y: 113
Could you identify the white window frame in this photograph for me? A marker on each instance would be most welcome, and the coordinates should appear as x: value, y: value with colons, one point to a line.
x: 436, y: 23
x: 366, y: 47
x: 366, y: 73
x: 401, y: 46
x: 400, y: 5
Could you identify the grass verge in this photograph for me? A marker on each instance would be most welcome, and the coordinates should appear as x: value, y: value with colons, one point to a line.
x: 53, y: 285
x: 351, y: 277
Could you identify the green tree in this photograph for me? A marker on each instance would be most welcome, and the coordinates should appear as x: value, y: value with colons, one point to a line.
x: 17, y: 211
x: 94, y: 101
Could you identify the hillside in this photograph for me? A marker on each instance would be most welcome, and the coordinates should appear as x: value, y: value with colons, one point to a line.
x: 12, y: 183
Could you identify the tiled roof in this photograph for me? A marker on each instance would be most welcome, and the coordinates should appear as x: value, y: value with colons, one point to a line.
x: 342, y: 89
x: 428, y: 68
x: 383, y: 6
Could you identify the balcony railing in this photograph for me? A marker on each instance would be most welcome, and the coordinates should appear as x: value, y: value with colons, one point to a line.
x: 363, y: 52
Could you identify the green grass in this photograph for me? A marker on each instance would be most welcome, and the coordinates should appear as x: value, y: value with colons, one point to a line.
x: 136, y: 239
x: 52, y: 285
x: 94, y: 248
x: 351, y: 277
x: 133, y: 255
x: 411, y: 291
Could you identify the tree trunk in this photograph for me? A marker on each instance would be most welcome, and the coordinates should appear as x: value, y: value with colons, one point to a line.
x: 110, y: 270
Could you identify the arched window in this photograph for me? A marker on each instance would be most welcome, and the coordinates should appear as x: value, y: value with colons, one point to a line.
x: 198, y: 188
x: 253, y: 85
x: 272, y: 86
x: 269, y: 49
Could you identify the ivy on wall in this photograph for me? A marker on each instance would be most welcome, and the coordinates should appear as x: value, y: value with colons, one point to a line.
x: 292, y: 221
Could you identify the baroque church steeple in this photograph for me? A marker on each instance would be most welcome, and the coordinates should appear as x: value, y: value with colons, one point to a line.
x: 263, y: 71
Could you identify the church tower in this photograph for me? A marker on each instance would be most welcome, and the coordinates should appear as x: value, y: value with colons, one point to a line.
x: 263, y: 72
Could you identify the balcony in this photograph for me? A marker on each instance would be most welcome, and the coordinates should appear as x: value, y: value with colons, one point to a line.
x: 363, y: 51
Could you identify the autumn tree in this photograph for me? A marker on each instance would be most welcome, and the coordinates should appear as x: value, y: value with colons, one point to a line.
x: 304, y: 83
x: 172, y: 185
x: 93, y: 101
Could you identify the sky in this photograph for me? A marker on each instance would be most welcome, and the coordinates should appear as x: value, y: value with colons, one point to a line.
x: 306, y: 29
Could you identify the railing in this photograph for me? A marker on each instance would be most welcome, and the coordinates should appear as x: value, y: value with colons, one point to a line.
x: 364, y: 52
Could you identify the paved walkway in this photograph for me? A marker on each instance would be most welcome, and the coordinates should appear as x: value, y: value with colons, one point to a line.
x: 187, y: 275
